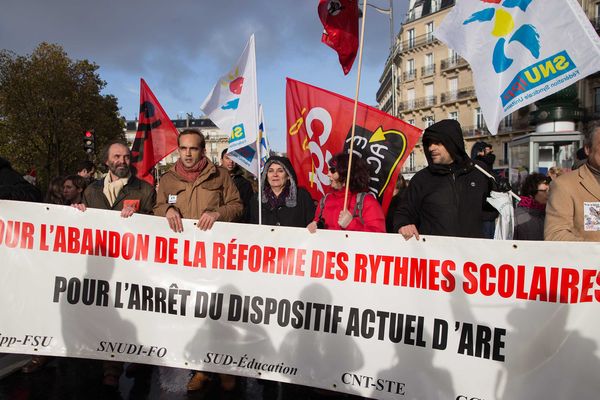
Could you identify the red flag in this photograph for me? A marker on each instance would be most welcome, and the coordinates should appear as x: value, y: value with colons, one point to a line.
x: 156, y: 136
x: 319, y: 125
x: 340, y: 22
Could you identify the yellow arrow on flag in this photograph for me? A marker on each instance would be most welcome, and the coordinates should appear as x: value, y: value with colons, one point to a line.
x: 379, y: 135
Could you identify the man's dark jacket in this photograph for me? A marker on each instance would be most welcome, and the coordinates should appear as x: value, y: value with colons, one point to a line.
x: 445, y: 200
x: 245, y: 188
x: 135, y: 189
x: 14, y: 187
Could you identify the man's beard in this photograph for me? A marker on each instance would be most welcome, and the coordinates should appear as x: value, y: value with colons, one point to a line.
x: 121, y: 171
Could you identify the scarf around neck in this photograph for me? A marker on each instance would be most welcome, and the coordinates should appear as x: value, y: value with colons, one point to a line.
x: 190, y: 174
x: 529, y: 202
x: 113, y: 188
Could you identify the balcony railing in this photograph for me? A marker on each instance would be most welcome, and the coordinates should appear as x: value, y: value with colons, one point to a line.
x: 409, y: 75
x: 475, y: 130
x: 452, y: 62
x: 406, y: 105
x: 418, y: 41
x: 458, y: 95
x: 428, y: 70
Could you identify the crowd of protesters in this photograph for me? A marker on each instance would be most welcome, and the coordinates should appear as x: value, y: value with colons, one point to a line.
x: 446, y: 198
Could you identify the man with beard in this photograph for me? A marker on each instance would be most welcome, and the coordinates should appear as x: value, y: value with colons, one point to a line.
x: 120, y: 189
x: 448, y: 196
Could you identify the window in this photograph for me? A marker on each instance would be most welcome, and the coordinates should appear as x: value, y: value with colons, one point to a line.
x: 435, y: 5
x: 429, y: 97
x: 478, y: 119
x: 452, y: 54
x: 453, y: 115
x: 410, y: 98
x: 429, y: 65
x: 429, y: 120
x: 429, y: 32
x: 508, y: 121
x: 411, y: 161
x: 411, y: 38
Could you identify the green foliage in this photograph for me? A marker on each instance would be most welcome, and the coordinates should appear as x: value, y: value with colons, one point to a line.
x: 47, y: 102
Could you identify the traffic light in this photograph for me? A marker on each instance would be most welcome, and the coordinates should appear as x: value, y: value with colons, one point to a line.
x: 89, y: 142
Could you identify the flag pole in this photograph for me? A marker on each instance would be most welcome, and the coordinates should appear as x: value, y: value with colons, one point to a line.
x: 351, y: 150
x: 258, y: 161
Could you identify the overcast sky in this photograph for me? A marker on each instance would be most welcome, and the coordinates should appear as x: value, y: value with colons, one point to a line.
x: 181, y: 47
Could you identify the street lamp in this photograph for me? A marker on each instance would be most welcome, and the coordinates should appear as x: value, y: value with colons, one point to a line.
x: 390, y: 12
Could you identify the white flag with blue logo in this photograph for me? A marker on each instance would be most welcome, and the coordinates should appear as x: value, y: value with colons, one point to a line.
x: 520, y: 51
x: 232, y: 104
x: 247, y: 156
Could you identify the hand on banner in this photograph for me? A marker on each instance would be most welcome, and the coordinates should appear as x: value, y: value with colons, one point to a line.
x: 312, y: 227
x: 174, y: 220
x: 80, y: 206
x: 207, y: 220
x: 344, y: 219
x: 408, y: 231
x: 127, y: 211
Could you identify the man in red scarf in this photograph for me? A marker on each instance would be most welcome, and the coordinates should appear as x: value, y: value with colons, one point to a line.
x: 196, y: 188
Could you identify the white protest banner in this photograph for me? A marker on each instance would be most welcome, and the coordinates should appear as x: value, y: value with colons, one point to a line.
x: 520, y: 50
x: 362, y: 313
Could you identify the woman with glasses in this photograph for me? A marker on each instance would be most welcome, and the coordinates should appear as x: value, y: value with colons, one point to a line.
x: 363, y: 211
x: 531, y: 210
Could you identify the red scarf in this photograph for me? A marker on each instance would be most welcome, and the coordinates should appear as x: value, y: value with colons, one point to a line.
x: 529, y: 202
x: 190, y: 174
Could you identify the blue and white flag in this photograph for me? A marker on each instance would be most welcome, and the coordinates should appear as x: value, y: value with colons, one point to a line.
x: 521, y: 51
x: 233, y: 104
x: 247, y: 157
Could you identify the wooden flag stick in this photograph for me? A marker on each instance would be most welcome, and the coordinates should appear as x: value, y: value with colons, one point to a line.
x: 360, y: 51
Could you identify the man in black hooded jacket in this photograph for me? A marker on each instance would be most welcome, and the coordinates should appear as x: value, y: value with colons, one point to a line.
x: 448, y: 196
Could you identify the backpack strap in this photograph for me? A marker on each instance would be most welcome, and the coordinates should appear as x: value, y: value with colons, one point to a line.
x: 358, y: 207
x: 321, y: 206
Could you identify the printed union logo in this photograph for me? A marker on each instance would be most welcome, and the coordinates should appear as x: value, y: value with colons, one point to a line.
x: 538, y: 74
x: 237, y: 133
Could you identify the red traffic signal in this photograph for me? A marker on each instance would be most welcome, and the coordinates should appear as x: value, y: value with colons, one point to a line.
x: 89, y: 142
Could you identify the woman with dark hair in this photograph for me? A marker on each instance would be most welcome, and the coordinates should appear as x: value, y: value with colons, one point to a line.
x: 531, y: 210
x: 54, y: 195
x: 283, y: 202
x: 366, y: 215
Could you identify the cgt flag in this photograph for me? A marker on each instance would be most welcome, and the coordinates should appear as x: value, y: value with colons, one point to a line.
x: 233, y: 106
x: 521, y: 50
x: 319, y: 125
x: 156, y: 136
x: 340, y: 23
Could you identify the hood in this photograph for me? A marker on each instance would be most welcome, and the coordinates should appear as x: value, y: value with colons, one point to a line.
x: 449, y: 133
x: 291, y: 199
